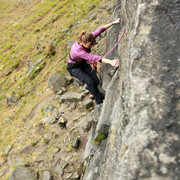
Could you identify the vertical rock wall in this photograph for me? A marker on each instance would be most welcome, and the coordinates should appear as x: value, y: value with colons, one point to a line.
x: 141, y: 111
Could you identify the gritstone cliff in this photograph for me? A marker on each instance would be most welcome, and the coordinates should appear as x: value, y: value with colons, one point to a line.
x: 140, y: 113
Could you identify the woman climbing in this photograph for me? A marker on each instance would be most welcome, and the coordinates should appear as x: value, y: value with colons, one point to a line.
x: 80, y: 58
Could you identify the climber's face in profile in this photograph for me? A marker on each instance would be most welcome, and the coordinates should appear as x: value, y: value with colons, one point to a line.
x: 87, y: 45
x: 86, y: 39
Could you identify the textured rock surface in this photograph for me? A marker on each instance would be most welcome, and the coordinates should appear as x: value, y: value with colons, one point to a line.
x: 23, y: 173
x: 49, y: 120
x: 72, y: 96
x: 142, y: 107
x: 56, y: 81
x: 47, y: 175
x: 12, y: 100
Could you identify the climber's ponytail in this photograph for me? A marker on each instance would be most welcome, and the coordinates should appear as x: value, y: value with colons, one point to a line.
x: 86, y: 37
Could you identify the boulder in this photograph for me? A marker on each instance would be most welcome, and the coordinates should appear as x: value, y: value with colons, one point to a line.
x: 8, y: 149
x: 91, y: 7
x: 55, y: 150
x: 35, y: 68
x: 47, y: 175
x: 47, y: 109
x: 27, y: 149
x: 75, y: 176
x: 47, y: 138
x: 72, y: 96
x: 88, y: 103
x: 56, y: 81
x: 59, y: 170
x: 87, y: 127
x: 38, y: 45
x: 11, y: 100
x: 75, y: 143
x: 66, y: 30
x: 69, y: 80
x: 67, y: 176
x: 40, y: 158
x: 49, y: 120
x: 39, y: 61
x: 23, y: 173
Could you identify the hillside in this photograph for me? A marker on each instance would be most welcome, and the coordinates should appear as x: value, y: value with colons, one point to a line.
x: 35, y: 40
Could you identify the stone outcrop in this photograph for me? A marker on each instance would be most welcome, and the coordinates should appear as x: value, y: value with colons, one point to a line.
x: 23, y: 173
x: 56, y: 81
x: 71, y: 96
x: 12, y: 100
x: 141, y: 107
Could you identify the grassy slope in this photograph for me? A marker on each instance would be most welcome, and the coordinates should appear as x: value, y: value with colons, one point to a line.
x: 23, y: 25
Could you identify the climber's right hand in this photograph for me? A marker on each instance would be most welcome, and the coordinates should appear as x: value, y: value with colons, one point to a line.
x: 115, y: 63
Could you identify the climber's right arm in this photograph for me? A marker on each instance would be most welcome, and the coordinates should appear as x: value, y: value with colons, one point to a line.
x: 114, y: 62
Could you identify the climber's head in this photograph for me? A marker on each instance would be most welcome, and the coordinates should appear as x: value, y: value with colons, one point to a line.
x: 86, y: 39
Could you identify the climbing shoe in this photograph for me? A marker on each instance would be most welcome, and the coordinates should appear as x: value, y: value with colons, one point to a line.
x: 92, y: 96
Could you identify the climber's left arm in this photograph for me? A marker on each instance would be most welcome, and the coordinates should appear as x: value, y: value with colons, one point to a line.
x: 100, y: 30
x: 117, y: 21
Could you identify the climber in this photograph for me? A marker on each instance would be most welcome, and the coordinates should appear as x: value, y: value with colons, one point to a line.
x: 80, y: 59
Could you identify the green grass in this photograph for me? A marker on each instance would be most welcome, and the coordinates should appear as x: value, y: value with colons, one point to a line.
x: 99, y: 139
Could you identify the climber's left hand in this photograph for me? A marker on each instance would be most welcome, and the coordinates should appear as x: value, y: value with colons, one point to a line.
x: 117, y: 21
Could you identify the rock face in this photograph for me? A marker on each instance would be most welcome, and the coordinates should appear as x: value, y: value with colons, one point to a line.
x: 141, y: 108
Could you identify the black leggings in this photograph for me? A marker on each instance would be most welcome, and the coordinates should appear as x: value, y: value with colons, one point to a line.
x: 86, y: 74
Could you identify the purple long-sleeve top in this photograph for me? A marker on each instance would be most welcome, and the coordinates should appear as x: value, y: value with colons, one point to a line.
x: 78, y: 52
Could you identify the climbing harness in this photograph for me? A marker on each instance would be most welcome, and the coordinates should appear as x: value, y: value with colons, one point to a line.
x: 116, y: 43
x: 74, y: 60
x: 94, y: 64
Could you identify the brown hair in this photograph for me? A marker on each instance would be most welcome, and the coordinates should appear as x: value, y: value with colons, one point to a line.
x: 86, y: 37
